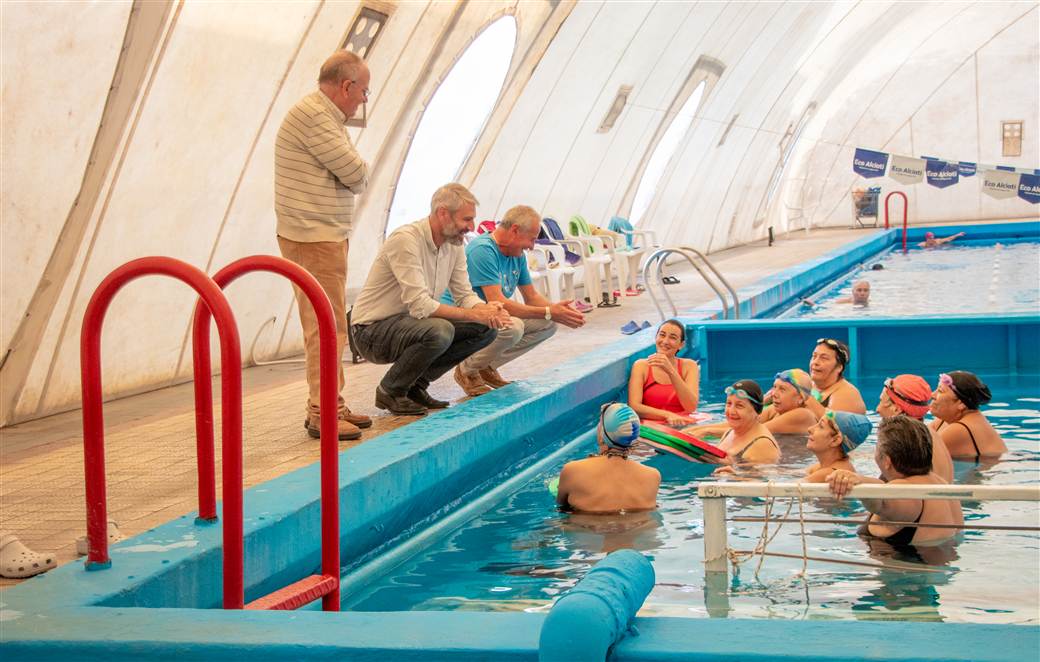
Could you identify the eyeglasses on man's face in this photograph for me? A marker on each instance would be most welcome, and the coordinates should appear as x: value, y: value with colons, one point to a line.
x: 364, y: 91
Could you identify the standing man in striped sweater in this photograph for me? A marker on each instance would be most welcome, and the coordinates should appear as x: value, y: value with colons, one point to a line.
x: 317, y: 173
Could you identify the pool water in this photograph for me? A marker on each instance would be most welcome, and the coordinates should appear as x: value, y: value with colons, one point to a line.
x: 523, y: 553
x: 952, y: 280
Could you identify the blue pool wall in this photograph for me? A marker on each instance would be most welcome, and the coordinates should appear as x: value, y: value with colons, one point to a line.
x: 402, y: 481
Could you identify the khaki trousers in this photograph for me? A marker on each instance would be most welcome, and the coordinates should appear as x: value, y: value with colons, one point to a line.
x: 327, y: 262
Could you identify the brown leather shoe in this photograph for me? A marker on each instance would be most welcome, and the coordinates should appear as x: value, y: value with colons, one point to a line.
x: 359, y: 420
x: 492, y: 378
x: 346, y: 429
x: 473, y: 385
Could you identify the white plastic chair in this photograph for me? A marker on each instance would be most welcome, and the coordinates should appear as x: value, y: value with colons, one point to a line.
x: 556, y: 274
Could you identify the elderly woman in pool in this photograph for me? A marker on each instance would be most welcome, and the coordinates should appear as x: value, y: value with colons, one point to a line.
x: 747, y: 441
x: 911, y: 395
x: 904, y: 455
x: 964, y: 429
x: 788, y: 413
x: 664, y: 386
x: 831, y: 440
x: 827, y: 369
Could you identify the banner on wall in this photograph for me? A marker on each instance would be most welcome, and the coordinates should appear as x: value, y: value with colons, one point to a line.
x: 906, y: 169
x: 966, y: 169
x: 1006, y: 168
x: 1029, y: 188
x: 1000, y: 183
x: 941, y: 174
x: 868, y: 163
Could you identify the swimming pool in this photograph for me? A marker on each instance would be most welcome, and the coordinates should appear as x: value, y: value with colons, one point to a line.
x: 956, y: 279
x: 522, y: 553
x: 157, y: 599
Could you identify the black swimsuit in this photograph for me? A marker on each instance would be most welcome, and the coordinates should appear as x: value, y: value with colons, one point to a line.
x: 740, y: 455
x: 900, y: 538
x: 975, y: 445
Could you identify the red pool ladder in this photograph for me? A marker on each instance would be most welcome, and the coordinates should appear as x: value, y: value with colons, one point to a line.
x: 213, y: 303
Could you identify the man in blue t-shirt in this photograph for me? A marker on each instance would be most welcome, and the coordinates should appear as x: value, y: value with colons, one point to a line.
x: 497, y: 267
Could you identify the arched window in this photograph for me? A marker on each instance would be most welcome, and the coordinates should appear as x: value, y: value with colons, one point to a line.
x: 670, y: 141
x: 453, y: 121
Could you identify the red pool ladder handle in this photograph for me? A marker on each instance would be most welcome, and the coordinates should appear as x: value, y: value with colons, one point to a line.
x: 231, y: 407
x: 326, y: 585
x: 903, y: 196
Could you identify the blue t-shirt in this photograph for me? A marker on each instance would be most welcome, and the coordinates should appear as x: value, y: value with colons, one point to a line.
x: 488, y: 266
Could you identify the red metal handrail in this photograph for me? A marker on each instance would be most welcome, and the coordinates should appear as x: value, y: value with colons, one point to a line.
x: 905, y: 205
x: 231, y: 411
x: 328, y: 401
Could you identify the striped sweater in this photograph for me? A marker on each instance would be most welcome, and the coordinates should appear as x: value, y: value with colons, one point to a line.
x: 317, y: 172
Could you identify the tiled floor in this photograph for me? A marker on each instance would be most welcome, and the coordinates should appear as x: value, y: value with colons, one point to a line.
x: 150, y: 448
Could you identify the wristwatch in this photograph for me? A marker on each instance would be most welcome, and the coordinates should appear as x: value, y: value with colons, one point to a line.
x: 548, y: 313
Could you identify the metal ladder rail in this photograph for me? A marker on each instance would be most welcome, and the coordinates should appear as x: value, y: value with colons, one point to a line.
x: 658, y: 258
x: 718, y: 274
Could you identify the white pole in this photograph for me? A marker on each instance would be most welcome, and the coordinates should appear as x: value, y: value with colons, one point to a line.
x: 715, y: 543
x: 708, y: 492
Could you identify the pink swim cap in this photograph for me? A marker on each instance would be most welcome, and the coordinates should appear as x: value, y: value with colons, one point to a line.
x: 929, y: 235
x: 910, y: 393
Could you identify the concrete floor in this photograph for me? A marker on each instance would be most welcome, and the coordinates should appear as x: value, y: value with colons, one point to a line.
x: 150, y: 449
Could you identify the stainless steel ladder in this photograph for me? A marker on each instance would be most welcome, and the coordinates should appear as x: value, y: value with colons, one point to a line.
x: 692, y: 255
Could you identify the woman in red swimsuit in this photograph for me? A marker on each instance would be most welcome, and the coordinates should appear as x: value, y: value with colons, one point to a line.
x: 664, y: 386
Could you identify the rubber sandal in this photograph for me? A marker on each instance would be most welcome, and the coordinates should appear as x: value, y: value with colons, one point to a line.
x: 18, y: 561
x: 646, y: 325
x: 83, y: 547
x: 630, y: 328
x: 633, y: 292
x: 670, y: 280
x: 583, y: 307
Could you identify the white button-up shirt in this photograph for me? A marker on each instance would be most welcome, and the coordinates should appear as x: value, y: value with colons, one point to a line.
x: 410, y: 274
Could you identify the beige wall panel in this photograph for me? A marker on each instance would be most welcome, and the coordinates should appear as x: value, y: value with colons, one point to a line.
x: 196, y: 128
x: 49, y: 126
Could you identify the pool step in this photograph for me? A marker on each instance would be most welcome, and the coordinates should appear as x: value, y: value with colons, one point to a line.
x: 297, y: 594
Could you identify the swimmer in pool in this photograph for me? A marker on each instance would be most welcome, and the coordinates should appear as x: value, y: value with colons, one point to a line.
x: 860, y: 294
x: 964, y: 429
x: 609, y: 482
x: 904, y: 455
x: 832, y: 439
x: 911, y: 395
x: 747, y: 441
x: 664, y: 386
x: 931, y: 241
x: 788, y: 413
x: 827, y: 369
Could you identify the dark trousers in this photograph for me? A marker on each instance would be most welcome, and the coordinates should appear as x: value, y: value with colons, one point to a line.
x: 421, y: 350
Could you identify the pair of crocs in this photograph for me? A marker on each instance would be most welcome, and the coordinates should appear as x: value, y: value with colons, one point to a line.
x: 634, y: 327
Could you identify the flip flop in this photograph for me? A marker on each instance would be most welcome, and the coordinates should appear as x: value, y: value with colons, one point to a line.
x: 18, y: 561
x: 583, y: 307
x: 645, y: 325
x: 631, y: 328
x: 670, y: 280
x: 633, y: 292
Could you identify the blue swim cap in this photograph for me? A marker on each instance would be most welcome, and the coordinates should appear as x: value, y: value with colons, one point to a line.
x: 620, y: 425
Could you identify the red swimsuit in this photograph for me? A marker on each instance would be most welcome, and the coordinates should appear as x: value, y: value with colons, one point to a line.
x: 661, y: 396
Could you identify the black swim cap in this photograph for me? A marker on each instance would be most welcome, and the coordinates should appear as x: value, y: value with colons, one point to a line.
x: 969, y: 389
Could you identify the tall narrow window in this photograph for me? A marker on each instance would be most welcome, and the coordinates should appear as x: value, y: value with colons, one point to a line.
x: 453, y: 121
x: 663, y: 153
x: 1012, y: 142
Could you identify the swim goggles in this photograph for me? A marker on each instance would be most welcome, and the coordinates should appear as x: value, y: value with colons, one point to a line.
x: 742, y: 394
x: 787, y: 377
x: 947, y: 381
x: 839, y: 347
x: 890, y: 386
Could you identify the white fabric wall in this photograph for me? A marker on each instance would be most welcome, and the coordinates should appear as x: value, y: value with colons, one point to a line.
x: 192, y: 177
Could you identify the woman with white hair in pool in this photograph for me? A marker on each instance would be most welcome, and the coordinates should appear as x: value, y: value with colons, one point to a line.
x: 964, y: 429
x: 609, y: 482
x: 827, y: 366
x: 911, y: 395
x: 904, y: 455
